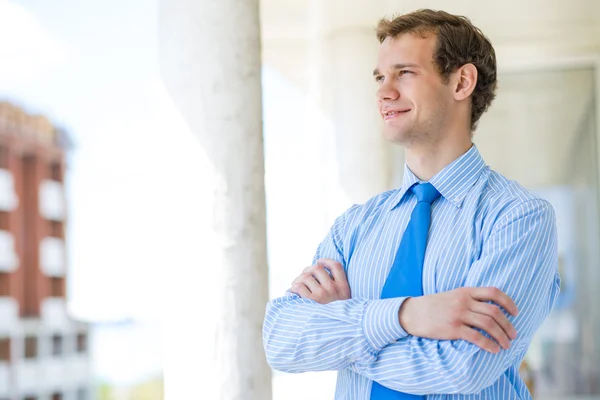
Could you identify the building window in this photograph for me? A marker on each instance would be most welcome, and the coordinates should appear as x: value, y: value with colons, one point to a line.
x: 57, y: 345
x: 57, y: 287
x: 4, y: 288
x: 3, y: 157
x: 81, y: 342
x: 30, y: 347
x: 3, y: 220
x: 55, y: 228
x: 55, y: 172
x: 4, y: 349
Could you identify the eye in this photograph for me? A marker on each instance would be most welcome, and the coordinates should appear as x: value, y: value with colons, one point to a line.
x: 379, y: 78
x: 404, y: 72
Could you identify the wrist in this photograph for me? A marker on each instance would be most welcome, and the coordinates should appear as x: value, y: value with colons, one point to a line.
x: 404, y: 315
x: 380, y: 322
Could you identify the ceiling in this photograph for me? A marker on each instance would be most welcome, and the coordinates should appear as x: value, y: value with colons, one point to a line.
x: 522, y: 31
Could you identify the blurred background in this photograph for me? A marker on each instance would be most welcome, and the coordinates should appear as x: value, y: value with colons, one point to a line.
x: 110, y: 205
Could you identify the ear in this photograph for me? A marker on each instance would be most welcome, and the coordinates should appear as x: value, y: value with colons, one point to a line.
x: 466, y: 80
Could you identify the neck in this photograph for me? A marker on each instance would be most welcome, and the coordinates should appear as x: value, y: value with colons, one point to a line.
x: 426, y: 160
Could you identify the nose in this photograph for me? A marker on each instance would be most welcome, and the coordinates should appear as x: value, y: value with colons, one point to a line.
x: 387, y: 91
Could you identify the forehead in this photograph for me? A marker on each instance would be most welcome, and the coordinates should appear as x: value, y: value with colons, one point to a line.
x: 408, y: 48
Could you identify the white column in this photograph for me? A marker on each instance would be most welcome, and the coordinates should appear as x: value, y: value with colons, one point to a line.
x: 364, y: 157
x: 211, y: 65
x: 316, y: 133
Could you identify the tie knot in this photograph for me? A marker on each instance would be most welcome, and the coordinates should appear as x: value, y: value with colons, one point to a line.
x: 425, y: 192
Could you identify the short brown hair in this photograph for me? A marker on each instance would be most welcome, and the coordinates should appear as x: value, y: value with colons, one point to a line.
x: 459, y: 42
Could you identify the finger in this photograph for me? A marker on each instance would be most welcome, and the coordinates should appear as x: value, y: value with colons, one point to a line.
x: 489, y: 326
x: 497, y: 296
x: 299, y: 279
x: 319, y: 273
x: 310, y: 282
x: 473, y: 336
x: 302, y: 275
x: 337, y: 269
x: 496, y: 313
x: 301, y: 290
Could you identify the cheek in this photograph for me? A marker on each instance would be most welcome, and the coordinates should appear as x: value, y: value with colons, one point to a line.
x: 416, y: 93
x: 432, y: 98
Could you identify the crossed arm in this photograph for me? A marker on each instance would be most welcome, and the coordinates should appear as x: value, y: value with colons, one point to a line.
x: 427, y: 344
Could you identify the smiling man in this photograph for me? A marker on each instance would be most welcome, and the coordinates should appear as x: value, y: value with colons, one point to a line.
x: 433, y: 290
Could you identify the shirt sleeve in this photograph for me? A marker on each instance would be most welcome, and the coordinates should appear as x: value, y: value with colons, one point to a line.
x: 519, y: 258
x: 301, y: 335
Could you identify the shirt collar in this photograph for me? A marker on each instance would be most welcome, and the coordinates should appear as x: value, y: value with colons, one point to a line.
x: 453, y: 182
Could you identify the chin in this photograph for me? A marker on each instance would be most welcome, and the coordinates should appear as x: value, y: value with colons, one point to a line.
x: 396, y: 135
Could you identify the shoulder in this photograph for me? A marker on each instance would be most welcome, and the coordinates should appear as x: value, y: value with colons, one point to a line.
x: 375, y: 205
x: 507, y: 201
x: 356, y: 215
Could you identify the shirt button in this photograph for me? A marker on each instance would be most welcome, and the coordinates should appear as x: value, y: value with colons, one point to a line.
x: 393, y: 341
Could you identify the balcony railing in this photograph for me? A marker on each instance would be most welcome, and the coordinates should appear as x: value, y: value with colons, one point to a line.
x: 52, y: 200
x: 52, y: 257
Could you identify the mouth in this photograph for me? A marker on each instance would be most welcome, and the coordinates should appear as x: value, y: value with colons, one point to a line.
x: 391, y: 114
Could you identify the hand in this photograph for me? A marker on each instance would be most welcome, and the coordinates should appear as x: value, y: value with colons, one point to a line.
x: 454, y: 315
x: 317, y: 284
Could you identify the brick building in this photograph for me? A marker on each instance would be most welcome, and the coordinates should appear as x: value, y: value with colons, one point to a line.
x: 43, y: 352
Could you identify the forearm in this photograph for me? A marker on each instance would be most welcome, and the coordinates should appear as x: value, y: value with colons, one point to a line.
x: 423, y: 366
x: 300, y: 335
x: 426, y: 366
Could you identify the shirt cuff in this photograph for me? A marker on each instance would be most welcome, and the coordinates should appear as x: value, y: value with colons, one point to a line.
x: 381, y: 325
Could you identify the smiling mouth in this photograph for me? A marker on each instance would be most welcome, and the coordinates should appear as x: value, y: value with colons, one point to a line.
x: 393, y: 114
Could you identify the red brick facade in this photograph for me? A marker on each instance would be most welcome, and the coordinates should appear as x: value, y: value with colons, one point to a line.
x: 30, y: 150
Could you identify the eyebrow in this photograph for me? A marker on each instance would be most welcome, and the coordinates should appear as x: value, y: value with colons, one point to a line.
x: 396, y: 67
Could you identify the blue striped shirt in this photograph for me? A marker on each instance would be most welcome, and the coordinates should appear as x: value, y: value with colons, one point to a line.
x: 485, y: 231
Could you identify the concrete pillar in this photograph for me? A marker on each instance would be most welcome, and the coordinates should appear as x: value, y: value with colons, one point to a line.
x: 317, y: 134
x: 210, y: 62
x: 366, y: 163
x: 364, y: 157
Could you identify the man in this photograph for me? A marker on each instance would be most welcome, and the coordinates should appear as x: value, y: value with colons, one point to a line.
x: 433, y: 290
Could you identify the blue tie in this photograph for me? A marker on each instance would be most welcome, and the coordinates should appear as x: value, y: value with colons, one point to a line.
x: 406, y: 276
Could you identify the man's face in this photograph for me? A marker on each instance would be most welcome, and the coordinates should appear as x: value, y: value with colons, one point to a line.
x: 413, y: 101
